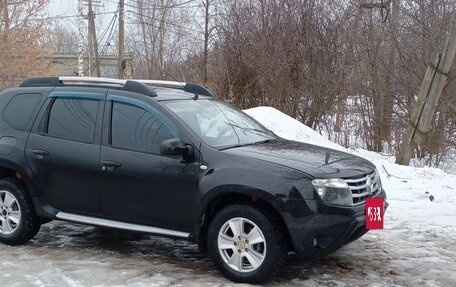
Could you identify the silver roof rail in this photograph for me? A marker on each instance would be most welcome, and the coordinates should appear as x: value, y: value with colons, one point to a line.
x: 118, y: 82
x: 126, y: 85
x: 137, y: 86
x: 185, y: 86
x: 93, y: 81
x: 176, y: 84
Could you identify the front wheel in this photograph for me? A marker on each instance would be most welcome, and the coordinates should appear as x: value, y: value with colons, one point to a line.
x: 246, y: 244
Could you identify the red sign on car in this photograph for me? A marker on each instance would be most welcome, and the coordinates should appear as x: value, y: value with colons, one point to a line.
x: 374, y: 213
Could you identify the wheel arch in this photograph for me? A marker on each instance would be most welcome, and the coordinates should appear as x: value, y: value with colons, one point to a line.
x: 223, y: 196
x: 10, y: 169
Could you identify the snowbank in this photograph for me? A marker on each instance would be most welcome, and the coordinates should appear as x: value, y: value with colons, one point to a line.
x: 420, y: 223
x: 289, y: 128
x: 408, y: 188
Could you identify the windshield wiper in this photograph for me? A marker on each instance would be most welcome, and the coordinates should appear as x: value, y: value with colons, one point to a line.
x: 262, y: 141
x: 247, y: 144
x: 252, y: 130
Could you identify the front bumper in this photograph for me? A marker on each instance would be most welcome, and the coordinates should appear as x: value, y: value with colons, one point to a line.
x: 317, y: 229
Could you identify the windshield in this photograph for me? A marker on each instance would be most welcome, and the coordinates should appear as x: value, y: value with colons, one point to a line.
x: 219, y: 124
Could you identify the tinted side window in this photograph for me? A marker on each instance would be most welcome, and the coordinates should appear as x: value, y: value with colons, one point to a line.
x: 135, y: 128
x: 19, y: 111
x: 73, y: 119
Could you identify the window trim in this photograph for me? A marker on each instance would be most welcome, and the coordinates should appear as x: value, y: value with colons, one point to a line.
x: 148, y: 108
x: 78, y: 95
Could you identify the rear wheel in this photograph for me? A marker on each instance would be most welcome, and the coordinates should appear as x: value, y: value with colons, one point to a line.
x: 18, y: 221
x: 245, y: 244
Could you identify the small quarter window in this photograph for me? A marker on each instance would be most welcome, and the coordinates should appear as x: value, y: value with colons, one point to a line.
x: 73, y: 119
x: 19, y: 111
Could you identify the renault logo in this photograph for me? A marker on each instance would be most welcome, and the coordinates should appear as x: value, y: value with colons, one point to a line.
x: 369, y: 186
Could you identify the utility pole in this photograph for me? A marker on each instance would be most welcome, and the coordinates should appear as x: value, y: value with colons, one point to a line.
x: 206, y: 4
x: 161, y: 49
x: 428, y: 99
x: 93, y: 43
x: 5, y: 19
x: 80, y: 39
x: 6, y: 48
x: 121, y: 51
x: 90, y: 45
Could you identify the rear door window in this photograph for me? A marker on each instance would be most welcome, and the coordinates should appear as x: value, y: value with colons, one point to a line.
x: 73, y: 118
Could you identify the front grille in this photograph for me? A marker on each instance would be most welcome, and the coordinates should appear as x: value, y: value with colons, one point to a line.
x: 364, y: 187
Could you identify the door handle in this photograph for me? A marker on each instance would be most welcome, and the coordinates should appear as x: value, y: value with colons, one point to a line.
x: 40, y: 153
x: 110, y: 165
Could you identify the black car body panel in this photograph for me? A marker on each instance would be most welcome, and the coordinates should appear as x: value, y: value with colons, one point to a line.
x: 316, y: 161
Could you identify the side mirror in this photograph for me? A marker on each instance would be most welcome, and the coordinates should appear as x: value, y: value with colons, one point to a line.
x: 173, y: 147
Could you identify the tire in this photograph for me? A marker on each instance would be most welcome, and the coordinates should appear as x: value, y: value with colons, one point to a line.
x: 236, y: 257
x: 18, y: 220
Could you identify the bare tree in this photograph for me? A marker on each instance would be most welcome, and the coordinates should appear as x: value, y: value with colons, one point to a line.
x: 350, y: 69
x: 161, y: 36
x: 64, y: 40
x: 24, y: 44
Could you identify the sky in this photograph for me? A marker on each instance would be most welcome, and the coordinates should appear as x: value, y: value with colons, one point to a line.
x: 69, y: 8
x: 62, y: 7
x: 104, y: 15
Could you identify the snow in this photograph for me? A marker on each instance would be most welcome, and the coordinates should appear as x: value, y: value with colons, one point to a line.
x: 420, y: 234
x: 416, y: 248
x: 289, y: 128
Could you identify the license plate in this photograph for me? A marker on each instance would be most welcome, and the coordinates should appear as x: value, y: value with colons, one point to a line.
x: 374, y: 213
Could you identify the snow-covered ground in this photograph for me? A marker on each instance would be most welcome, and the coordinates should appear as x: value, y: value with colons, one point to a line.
x: 416, y: 248
x: 418, y: 245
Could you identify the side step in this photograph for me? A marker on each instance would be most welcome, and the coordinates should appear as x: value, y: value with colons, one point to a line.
x: 120, y: 225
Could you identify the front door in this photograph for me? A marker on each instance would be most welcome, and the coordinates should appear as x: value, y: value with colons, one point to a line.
x: 140, y: 185
x: 64, y: 148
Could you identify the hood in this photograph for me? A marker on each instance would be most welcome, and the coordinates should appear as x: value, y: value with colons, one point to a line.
x: 316, y: 161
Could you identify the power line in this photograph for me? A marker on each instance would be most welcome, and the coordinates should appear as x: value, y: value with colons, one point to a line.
x: 158, y: 27
x: 103, y: 34
x: 57, y: 17
x: 166, y: 22
x: 175, y: 6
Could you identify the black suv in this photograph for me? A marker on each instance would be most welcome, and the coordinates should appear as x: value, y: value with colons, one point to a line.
x: 168, y: 158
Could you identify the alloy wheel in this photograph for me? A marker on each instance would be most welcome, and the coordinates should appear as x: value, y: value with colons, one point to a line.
x: 10, y: 213
x: 242, y: 245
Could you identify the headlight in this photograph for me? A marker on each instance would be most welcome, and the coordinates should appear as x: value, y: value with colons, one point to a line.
x: 334, y: 191
x: 379, y: 181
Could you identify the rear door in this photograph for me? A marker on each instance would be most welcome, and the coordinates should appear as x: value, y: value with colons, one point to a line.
x: 63, y: 149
